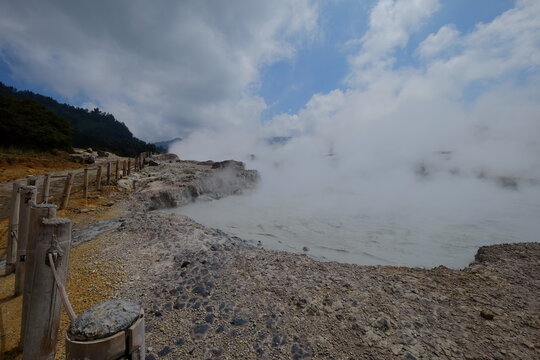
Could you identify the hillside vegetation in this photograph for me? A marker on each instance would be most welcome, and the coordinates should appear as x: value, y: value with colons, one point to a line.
x: 89, y: 128
x: 25, y: 124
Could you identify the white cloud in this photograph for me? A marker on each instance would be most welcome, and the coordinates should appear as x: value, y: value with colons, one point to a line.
x: 161, y: 68
x: 478, y: 96
x: 435, y: 44
x: 390, y: 25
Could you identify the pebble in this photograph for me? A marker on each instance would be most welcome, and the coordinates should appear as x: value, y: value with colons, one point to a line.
x: 165, y: 351
x: 201, y: 328
x: 486, y: 314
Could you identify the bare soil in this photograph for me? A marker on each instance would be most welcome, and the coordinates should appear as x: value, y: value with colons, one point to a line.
x: 20, y: 165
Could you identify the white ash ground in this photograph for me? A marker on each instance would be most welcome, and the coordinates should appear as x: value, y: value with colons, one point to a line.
x: 209, y: 295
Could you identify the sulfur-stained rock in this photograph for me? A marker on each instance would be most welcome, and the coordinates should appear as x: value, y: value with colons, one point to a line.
x: 104, y: 320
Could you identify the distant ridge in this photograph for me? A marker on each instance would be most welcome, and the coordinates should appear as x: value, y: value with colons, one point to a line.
x: 165, y: 144
x: 95, y: 129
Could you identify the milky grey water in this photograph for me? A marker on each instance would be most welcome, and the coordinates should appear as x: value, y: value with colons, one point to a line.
x: 425, y: 229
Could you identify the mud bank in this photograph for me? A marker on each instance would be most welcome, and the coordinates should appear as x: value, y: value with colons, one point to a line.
x: 211, y: 295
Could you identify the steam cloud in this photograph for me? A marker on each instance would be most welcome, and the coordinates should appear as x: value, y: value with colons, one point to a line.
x: 450, y: 140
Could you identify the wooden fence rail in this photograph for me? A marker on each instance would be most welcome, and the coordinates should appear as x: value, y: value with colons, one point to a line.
x: 58, y: 189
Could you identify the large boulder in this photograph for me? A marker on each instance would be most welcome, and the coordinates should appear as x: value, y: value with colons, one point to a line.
x: 82, y: 158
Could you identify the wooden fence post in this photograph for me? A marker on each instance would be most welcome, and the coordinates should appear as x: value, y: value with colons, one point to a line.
x: 109, y: 173
x: 129, y: 167
x: 85, y: 184
x: 27, y: 199
x: 46, y: 186
x: 13, y: 229
x: 117, y: 169
x: 31, y: 181
x: 124, y: 168
x: 43, y: 308
x: 98, y: 178
x: 67, y: 191
x: 37, y: 214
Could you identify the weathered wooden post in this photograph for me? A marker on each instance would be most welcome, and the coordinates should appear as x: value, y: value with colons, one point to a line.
x: 67, y: 191
x: 46, y: 186
x: 13, y: 229
x: 117, y: 169
x: 124, y: 168
x: 85, y: 184
x: 129, y: 167
x: 37, y: 214
x: 31, y: 181
x: 98, y: 178
x: 27, y: 199
x: 43, y: 307
x: 109, y: 173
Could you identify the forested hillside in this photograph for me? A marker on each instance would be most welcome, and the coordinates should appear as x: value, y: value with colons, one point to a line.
x: 25, y: 124
x: 95, y: 128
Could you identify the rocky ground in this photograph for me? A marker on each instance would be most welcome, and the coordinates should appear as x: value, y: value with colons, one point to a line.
x: 208, y: 295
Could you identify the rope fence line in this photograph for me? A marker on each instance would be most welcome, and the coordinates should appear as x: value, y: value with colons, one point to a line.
x: 62, y: 289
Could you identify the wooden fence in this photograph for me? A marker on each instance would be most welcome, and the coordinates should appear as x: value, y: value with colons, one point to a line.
x: 38, y: 250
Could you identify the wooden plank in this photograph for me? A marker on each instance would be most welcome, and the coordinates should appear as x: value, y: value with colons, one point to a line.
x: 98, y: 178
x: 46, y: 188
x: 67, y: 191
x: 13, y: 229
x: 27, y: 199
x: 85, y: 183
x: 40, y: 335
x: 37, y: 214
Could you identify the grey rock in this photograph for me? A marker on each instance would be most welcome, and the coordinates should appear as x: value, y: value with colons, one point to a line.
x: 104, y: 320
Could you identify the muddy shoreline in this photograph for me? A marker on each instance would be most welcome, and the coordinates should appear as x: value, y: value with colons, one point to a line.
x: 211, y: 295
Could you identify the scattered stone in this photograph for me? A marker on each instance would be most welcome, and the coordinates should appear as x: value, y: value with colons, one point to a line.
x: 217, y: 352
x: 305, y: 248
x: 165, y: 351
x: 486, y: 314
x: 239, y: 321
x: 201, y: 329
x: 382, y: 323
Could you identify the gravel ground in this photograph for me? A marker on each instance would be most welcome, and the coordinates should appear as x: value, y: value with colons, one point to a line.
x: 209, y: 295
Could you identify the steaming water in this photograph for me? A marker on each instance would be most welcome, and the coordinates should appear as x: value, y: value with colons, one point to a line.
x: 425, y: 228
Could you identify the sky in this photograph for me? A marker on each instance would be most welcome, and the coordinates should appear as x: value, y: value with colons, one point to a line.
x: 174, y: 68
x: 424, y: 111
